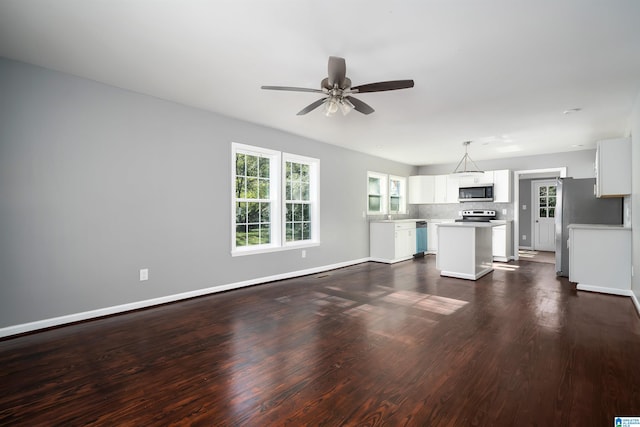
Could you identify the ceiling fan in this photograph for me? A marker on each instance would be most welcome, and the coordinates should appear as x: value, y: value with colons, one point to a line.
x: 338, y: 90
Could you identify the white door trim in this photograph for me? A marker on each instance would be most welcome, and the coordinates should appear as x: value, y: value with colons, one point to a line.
x: 533, y: 205
x: 516, y: 200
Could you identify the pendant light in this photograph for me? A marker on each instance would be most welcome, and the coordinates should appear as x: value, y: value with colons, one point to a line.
x: 463, y: 162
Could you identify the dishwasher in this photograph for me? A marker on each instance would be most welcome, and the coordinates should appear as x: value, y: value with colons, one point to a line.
x: 421, y: 238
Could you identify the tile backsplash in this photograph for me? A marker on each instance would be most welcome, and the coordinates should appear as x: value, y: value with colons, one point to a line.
x: 452, y: 210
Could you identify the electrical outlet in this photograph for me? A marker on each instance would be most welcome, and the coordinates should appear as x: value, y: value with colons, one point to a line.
x: 304, y: 253
x: 144, y: 274
x: 524, y: 207
x: 524, y: 237
x: 504, y: 211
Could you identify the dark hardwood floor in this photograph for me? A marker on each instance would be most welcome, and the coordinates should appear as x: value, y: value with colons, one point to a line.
x: 370, y: 344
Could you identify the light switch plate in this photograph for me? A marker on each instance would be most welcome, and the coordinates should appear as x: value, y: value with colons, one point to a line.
x: 144, y: 274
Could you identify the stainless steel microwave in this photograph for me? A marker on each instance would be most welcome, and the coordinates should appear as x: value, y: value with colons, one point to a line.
x: 477, y: 193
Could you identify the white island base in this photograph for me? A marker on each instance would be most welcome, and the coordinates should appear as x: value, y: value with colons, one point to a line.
x: 465, y: 250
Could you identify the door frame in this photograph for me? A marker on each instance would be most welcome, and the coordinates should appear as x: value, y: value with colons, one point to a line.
x: 533, y: 216
x: 516, y: 199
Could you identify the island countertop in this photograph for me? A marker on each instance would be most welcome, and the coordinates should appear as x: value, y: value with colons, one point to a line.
x: 468, y: 224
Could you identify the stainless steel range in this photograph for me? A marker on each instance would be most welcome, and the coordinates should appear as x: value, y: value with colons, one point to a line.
x: 477, y: 216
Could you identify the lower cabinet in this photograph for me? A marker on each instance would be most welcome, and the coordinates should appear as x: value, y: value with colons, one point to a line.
x: 432, y: 233
x: 600, y: 258
x: 502, y: 243
x: 391, y: 241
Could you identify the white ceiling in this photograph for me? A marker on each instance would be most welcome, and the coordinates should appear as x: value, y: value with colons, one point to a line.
x: 498, y: 72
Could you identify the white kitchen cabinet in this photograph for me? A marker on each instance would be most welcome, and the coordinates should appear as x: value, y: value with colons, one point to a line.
x: 427, y: 189
x: 502, y: 241
x: 421, y: 189
x: 480, y: 179
x: 432, y: 233
x: 392, y: 241
x: 613, y: 167
x: 502, y: 186
x: 600, y: 258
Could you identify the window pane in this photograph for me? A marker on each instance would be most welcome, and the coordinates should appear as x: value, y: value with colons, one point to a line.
x: 394, y: 187
x: 240, y: 188
x: 543, y: 202
x: 289, y: 213
x: 265, y: 212
x: 306, y: 231
x: 240, y: 164
x: 289, y: 235
x: 543, y: 191
x: 252, y: 188
x: 295, y: 171
x: 543, y: 212
x: 394, y: 204
x: 253, y: 212
x: 297, y: 231
x: 552, y: 190
x: 306, y: 216
x: 296, y: 191
x: 304, y: 172
x: 265, y: 235
x: 241, y: 235
x: 297, y: 212
x: 374, y: 186
x: 305, y: 191
x: 552, y: 201
x: 263, y: 189
x: 552, y: 212
x: 374, y: 203
x: 264, y: 166
x: 241, y: 212
x: 253, y: 234
x: 252, y: 165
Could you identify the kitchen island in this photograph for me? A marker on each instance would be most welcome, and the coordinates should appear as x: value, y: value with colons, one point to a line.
x: 465, y: 249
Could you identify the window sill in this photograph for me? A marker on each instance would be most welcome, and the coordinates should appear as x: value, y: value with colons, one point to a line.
x: 264, y: 250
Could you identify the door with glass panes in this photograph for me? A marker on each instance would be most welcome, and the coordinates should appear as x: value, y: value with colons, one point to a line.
x: 544, y: 195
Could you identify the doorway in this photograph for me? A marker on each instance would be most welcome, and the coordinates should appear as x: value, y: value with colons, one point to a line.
x: 543, y: 197
x: 518, y: 203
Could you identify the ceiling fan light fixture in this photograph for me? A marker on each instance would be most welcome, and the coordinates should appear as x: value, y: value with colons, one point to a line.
x: 466, y: 159
x: 345, y: 106
x: 330, y: 107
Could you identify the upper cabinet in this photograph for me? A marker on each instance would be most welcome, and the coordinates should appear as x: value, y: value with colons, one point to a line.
x: 425, y: 189
x: 502, y: 186
x: 613, y: 168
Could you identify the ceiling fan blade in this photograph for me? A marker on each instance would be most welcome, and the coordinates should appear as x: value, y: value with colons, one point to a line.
x: 360, y: 106
x: 312, y: 106
x: 292, y: 89
x: 337, y: 72
x: 382, y: 86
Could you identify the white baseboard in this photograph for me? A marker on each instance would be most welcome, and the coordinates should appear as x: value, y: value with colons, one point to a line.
x: 526, y: 248
x: 635, y: 302
x: 101, y: 312
x: 603, y: 290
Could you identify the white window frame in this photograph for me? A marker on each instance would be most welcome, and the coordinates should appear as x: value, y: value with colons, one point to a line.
x: 403, y: 194
x: 384, y: 192
x: 277, y: 199
x: 314, y: 199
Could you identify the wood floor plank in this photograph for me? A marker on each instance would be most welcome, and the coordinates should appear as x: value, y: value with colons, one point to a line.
x: 371, y: 344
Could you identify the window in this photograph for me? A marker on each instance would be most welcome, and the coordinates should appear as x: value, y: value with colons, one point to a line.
x: 397, y: 194
x: 386, y: 194
x: 547, y: 201
x: 377, y: 193
x: 269, y: 213
x: 300, y: 198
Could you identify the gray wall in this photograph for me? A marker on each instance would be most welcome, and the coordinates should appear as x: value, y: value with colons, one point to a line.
x: 524, y: 218
x: 98, y: 182
x: 579, y: 164
x: 635, y: 197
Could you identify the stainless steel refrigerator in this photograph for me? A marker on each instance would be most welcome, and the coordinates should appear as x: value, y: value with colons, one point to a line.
x: 577, y: 204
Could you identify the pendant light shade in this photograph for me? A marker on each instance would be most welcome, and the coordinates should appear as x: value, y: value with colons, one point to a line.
x: 462, y: 168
